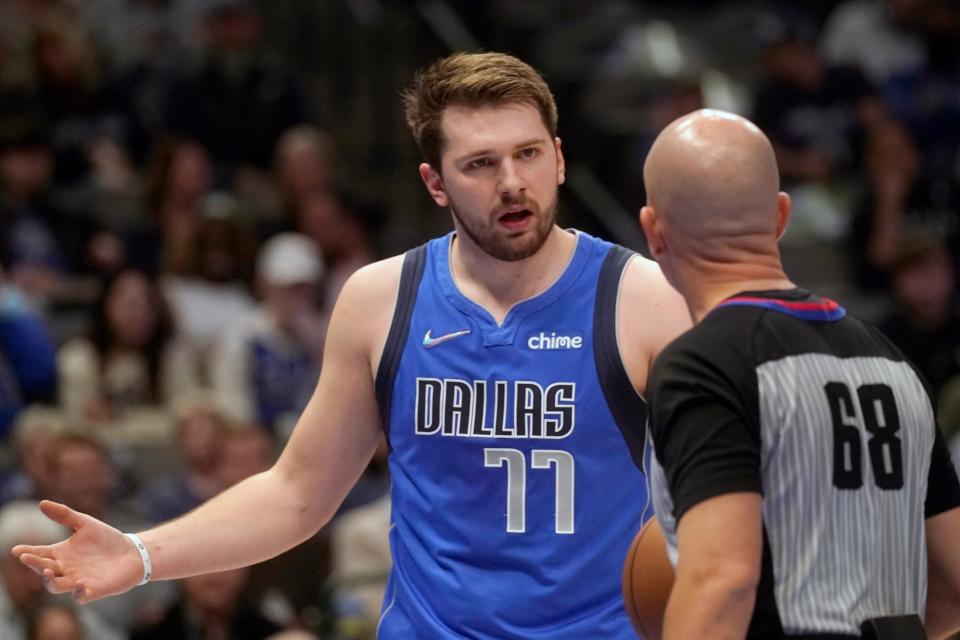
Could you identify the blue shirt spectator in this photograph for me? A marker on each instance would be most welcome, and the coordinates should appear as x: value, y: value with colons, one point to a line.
x: 27, y: 357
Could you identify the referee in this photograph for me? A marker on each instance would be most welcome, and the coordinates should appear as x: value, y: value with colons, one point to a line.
x: 799, y: 475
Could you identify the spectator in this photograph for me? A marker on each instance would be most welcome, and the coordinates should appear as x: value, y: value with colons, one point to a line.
x: 926, y: 322
x: 212, y: 290
x: 343, y: 229
x: 235, y: 85
x: 265, y: 365
x: 948, y: 414
x: 278, y: 585
x: 179, y: 177
x: 360, y: 548
x: 21, y: 590
x: 246, y: 452
x: 925, y: 99
x: 201, y: 430
x: 373, y: 484
x: 55, y: 621
x: 43, y: 247
x: 133, y: 359
x: 112, y: 193
x: 819, y: 118
x: 880, y: 37
x: 905, y: 202
x: 138, y: 32
x: 304, y: 162
x: 85, y: 477
x: 294, y: 634
x: 211, y: 606
x: 27, y: 356
x: 35, y: 434
x: 71, y: 90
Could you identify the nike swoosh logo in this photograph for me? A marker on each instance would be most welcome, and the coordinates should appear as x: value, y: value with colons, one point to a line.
x: 429, y: 341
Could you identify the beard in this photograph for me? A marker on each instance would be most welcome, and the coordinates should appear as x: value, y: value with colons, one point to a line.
x: 499, y: 243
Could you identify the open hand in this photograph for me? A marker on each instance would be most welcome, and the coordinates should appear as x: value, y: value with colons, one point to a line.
x: 96, y: 561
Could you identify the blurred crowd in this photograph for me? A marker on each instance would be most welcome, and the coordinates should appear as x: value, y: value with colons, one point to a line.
x: 185, y: 185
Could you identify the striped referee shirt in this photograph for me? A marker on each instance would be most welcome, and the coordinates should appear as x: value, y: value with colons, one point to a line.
x: 784, y: 394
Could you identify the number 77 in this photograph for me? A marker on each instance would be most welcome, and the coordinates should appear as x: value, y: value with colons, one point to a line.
x: 517, y: 484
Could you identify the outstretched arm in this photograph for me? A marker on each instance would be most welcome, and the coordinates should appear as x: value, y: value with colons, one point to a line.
x: 271, y: 511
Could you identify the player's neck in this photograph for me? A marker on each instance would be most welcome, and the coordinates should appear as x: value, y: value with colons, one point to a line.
x: 705, y: 288
x: 497, y: 285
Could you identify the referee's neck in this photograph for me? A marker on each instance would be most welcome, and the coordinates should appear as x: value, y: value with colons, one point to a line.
x: 705, y: 293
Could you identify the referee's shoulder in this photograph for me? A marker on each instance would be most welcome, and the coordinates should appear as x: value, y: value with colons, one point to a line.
x: 719, y: 341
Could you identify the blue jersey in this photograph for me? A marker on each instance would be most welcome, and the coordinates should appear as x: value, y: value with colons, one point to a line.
x: 513, y: 453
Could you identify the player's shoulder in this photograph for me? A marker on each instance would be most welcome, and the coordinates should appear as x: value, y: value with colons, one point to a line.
x: 641, y: 271
x: 363, y: 310
x: 374, y: 285
x: 644, y: 291
x: 650, y: 314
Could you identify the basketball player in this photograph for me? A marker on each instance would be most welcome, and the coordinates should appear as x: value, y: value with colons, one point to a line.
x: 502, y: 361
x: 799, y: 476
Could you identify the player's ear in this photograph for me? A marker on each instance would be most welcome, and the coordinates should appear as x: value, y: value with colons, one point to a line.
x: 784, y: 207
x: 434, y: 183
x: 652, y: 229
x: 561, y: 163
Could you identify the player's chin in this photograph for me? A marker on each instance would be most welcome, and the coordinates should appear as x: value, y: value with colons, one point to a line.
x: 519, y: 246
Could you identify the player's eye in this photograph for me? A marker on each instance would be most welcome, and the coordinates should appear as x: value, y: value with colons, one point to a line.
x: 529, y: 153
x: 479, y: 163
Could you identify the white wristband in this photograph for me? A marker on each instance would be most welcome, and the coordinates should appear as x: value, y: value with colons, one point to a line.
x: 144, y: 555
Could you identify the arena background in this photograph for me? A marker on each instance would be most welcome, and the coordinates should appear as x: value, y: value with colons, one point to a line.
x: 175, y: 175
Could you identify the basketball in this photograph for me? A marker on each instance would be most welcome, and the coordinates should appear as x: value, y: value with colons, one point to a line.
x: 647, y: 580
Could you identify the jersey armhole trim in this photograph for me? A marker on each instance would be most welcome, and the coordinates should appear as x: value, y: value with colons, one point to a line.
x: 414, y: 264
x: 627, y: 406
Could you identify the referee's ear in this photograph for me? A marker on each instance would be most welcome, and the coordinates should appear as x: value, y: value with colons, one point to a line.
x: 650, y: 222
x: 784, y: 207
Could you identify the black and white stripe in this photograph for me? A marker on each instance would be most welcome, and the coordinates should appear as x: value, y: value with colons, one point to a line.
x: 835, y: 428
x: 840, y: 556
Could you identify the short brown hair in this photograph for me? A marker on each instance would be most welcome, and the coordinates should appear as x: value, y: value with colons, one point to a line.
x: 78, y: 438
x: 474, y: 80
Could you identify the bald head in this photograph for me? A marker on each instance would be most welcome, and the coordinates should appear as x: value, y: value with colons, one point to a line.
x: 712, y: 177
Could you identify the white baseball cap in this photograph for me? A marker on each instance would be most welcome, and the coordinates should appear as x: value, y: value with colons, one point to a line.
x: 290, y: 258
